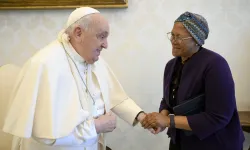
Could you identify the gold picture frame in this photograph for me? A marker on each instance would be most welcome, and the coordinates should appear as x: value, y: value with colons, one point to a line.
x: 61, y: 4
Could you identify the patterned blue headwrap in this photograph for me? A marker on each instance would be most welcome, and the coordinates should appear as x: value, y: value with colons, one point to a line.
x: 196, y: 25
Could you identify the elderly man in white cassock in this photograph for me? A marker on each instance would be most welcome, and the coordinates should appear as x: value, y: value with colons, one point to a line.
x: 65, y: 93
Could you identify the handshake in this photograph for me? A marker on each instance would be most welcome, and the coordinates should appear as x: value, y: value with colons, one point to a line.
x: 154, y: 122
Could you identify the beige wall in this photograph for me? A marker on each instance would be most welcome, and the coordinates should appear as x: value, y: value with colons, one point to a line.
x: 139, y: 49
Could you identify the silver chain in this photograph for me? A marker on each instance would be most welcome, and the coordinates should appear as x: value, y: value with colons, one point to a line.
x: 80, y: 76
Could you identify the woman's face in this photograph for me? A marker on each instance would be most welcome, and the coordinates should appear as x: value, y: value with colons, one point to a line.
x: 182, y: 42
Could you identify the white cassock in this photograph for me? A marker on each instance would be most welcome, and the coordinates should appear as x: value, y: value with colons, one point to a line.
x: 8, y: 76
x: 53, y: 110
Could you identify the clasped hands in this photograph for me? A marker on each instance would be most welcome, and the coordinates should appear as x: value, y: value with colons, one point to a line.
x: 155, y: 122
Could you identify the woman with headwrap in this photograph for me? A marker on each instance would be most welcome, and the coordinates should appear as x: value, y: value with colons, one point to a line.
x: 197, y: 73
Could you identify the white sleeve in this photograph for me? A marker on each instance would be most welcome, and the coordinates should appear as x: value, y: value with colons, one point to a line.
x: 127, y: 111
x: 84, y: 134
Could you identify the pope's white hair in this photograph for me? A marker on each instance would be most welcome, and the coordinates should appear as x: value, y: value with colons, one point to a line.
x: 84, y: 23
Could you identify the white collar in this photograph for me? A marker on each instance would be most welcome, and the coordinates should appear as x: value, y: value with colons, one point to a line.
x: 72, y: 52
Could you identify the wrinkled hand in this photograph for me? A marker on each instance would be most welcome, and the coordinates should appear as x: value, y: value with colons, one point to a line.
x: 157, y: 121
x: 105, y: 123
x: 141, y: 117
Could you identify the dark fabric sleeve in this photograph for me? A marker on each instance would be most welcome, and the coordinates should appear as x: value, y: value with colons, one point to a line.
x: 163, y: 104
x: 220, y: 100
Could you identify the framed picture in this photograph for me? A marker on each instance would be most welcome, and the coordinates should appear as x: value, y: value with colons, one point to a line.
x: 61, y: 4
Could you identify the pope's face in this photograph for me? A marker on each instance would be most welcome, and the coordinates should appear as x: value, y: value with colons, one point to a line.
x: 94, y: 39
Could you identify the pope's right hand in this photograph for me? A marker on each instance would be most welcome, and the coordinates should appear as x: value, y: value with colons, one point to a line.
x: 105, y: 123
